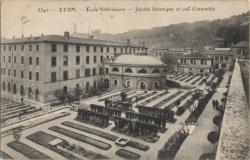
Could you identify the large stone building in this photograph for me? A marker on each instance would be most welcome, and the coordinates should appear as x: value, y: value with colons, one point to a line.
x: 137, y: 71
x: 177, y: 52
x: 35, y: 67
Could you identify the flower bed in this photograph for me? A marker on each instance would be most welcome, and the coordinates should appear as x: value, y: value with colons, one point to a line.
x: 184, y: 107
x: 143, y: 97
x: 4, y: 155
x: 91, y: 130
x: 105, y: 135
x: 197, y: 80
x: 159, y: 104
x: 189, y: 79
x: 184, y: 78
x: 178, y: 101
x: 27, y: 151
x: 154, y: 98
x: 127, y: 154
x: 172, y: 146
x: 82, y: 138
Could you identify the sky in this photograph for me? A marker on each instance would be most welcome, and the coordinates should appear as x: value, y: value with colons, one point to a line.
x: 44, y: 17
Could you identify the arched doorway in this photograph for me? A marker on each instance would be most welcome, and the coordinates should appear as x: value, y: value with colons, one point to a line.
x: 14, y: 88
x: 30, y: 92
x: 156, y: 85
x: 106, y: 84
x: 142, y: 85
x: 37, y: 94
x: 21, y: 90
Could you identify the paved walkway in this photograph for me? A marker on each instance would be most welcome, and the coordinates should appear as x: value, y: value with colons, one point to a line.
x: 197, y: 144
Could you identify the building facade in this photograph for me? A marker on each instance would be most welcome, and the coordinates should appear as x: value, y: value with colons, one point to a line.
x: 35, y: 67
x: 195, y: 64
x: 137, y: 72
x: 177, y: 52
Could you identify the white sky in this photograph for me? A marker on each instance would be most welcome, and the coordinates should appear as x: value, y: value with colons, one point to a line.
x: 55, y: 22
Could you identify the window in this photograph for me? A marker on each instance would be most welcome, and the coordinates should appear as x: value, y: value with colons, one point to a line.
x: 8, y: 86
x: 30, y: 75
x: 156, y: 71
x: 77, y: 73
x: 87, y: 72
x: 87, y: 59
x: 53, y: 48
x: 22, y: 76
x: 53, y: 61
x: 37, y: 47
x: 53, y: 76
x: 30, y: 47
x: 22, y: 47
x: 115, y: 49
x: 87, y: 48
x: 65, y: 48
x: 142, y: 71
x: 94, y: 71
x: 30, y: 60
x: 77, y: 60
x: 101, y: 71
x: 9, y: 59
x: 121, y: 50
x: 94, y: 84
x: 9, y: 48
x: 107, y: 49
x: 101, y: 49
x: 94, y: 59
x: 4, y: 71
x: 115, y: 82
x: 3, y: 85
x: 65, y: 60
x: 4, y: 48
x: 37, y: 60
x: 101, y: 59
x: 107, y: 56
x: 14, y: 47
x: 37, y: 76
x: 226, y: 58
x: 128, y: 70
x: 201, y: 61
x: 216, y: 58
x: 8, y: 72
x: 115, y: 69
x: 14, y: 73
x: 22, y: 60
x: 94, y: 48
x: 3, y: 58
x: 77, y: 48
x: 221, y: 58
x: 14, y: 59
x: 107, y: 70
x: 65, y: 75
x: 22, y: 90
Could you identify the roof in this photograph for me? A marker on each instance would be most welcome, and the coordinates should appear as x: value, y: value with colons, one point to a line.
x: 194, y: 55
x: 64, y: 39
x: 137, y: 60
x: 242, y: 44
x: 217, y: 52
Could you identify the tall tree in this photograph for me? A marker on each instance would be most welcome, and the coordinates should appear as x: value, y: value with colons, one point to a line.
x: 169, y: 60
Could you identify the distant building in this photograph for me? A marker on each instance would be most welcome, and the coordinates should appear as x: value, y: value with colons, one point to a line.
x: 136, y: 71
x: 241, y: 49
x: 222, y: 58
x: 35, y: 67
x: 195, y: 64
x: 158, y: 53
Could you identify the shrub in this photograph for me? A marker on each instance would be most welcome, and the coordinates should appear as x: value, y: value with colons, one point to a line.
x: 217, y: 120
x: 213, y: 137
x: 180, y: 111
x: 207, y: 156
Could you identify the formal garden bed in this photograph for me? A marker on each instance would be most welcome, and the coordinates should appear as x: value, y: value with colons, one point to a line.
x: 197, y: 80
x: 105, y: 135
x: 159, y: 104
x: 82, y: 138
x: 172, y: 146
x: 184, y: 107
x: 27, y: 151
x: 154, y: 98
x: 127, y: 154
x: 189, y: 79
x: 184, y: 78
x: 144, y: 96
x: 178, y: 100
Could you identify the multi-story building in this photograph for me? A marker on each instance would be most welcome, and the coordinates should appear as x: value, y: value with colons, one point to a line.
x: 35, y: 67
x: 222, y: 57
x: 195, y: 64
x: 177, y: 52
x: 241, y: 49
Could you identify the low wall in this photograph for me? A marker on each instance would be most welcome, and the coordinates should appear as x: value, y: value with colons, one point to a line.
x: 234, y: 137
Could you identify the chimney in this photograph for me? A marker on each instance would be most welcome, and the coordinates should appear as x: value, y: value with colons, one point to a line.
x: 66, y: 34
x: 128, y: 41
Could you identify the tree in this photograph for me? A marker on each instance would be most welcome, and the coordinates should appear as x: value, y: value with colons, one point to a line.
x: 169, y: 60
x: 78, y: 91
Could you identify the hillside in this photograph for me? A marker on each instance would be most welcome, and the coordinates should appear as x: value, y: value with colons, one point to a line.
x: 229, y: 31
